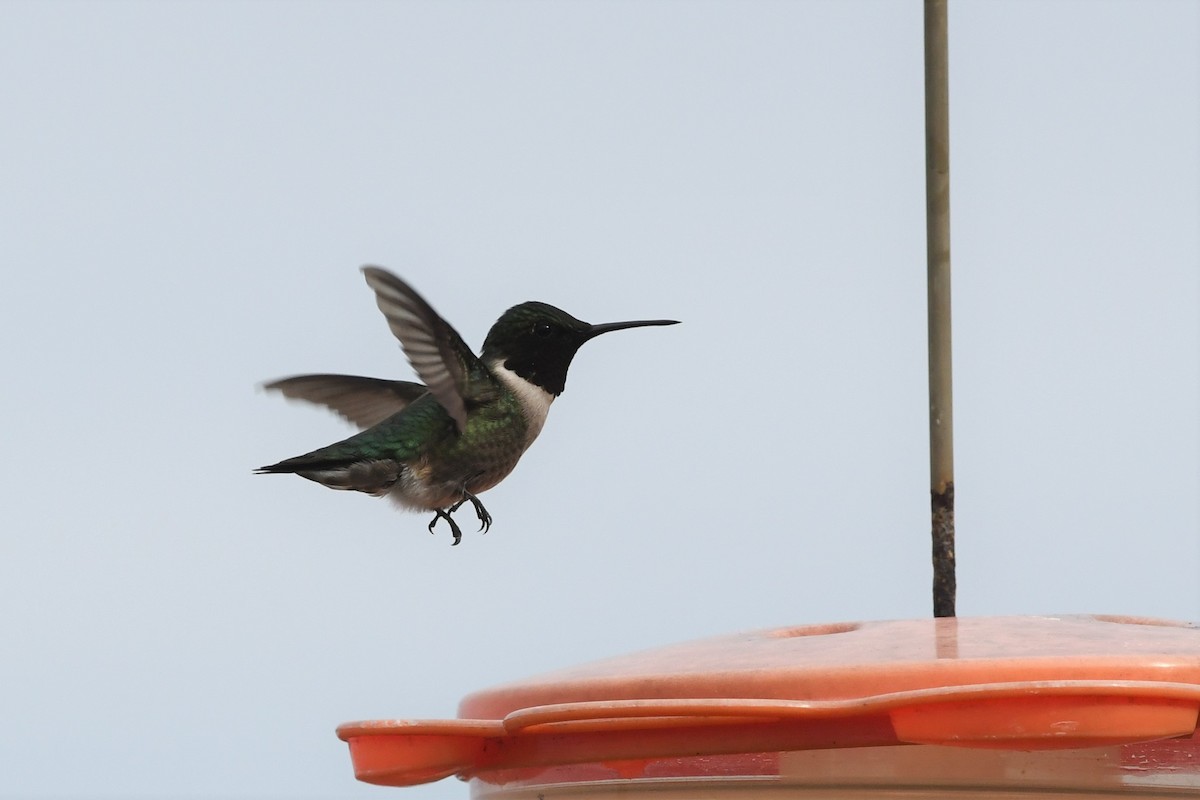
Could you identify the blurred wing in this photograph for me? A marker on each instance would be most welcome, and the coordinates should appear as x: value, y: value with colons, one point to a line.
x: 436, y: 351
x: 362, y: 401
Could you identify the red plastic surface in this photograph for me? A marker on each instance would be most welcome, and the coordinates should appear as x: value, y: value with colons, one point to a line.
x: 1027, y: 683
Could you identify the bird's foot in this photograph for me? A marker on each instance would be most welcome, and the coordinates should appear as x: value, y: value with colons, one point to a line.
x: 485, y: 519
x: 441, y: 513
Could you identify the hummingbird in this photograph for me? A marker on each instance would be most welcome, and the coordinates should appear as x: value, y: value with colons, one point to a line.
x: 438, y: 444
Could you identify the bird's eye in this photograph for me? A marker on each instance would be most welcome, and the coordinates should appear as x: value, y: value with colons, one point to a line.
x: 542, y: 330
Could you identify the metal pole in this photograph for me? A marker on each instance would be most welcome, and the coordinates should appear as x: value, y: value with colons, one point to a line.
x: 937, y: 230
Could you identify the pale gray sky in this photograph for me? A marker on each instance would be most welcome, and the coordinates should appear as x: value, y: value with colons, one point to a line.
x: 187, y: 191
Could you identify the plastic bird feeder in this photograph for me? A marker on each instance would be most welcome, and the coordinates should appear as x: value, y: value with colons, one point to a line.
x: 1032, y: 705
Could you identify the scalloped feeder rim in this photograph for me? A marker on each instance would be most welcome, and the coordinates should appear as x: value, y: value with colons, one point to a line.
x: 1021, y: 683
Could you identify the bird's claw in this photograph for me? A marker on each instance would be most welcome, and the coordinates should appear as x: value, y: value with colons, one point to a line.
x: 454, y: 529
x: 485, y: 519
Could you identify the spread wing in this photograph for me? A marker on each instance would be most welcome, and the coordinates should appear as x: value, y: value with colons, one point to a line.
x: 436, y: 351
x: 363, y: 401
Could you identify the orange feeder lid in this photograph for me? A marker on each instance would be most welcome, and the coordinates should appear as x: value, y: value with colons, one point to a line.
x: 1010, y: 683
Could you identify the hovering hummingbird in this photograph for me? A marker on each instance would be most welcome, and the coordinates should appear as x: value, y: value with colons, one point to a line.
x: 437, y: 445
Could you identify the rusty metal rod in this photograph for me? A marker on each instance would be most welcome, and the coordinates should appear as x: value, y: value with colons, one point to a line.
x: 937, y: 230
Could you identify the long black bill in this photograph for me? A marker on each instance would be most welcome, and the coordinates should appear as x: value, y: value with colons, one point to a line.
x: 608, y: 327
